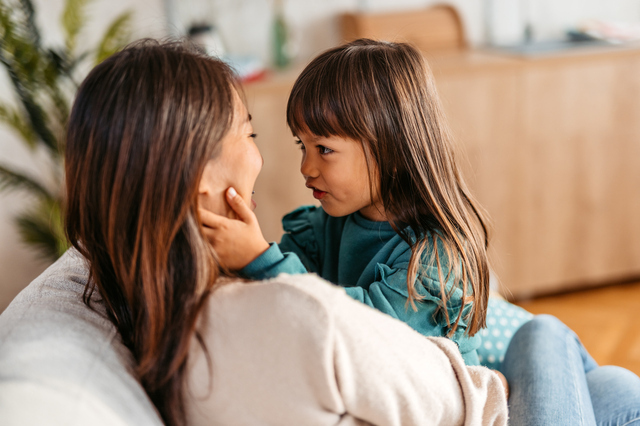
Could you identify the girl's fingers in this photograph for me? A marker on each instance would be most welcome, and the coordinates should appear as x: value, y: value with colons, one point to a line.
x: 210, y: 219
x: 209, y: 233
x: 239, y: 206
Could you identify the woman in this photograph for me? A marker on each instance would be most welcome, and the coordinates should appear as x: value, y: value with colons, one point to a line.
x: 158, y: 131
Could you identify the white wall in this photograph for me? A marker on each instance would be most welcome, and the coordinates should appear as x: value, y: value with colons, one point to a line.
x: 245, y: 27
x: 244, y: 24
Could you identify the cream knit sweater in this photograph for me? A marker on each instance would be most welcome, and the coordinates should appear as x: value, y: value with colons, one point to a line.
x: 297, y: 350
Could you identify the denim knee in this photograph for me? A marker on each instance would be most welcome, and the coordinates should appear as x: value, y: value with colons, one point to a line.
x: 548, y: 327
x: 549, y: 324
x: 537, y: 339
x: 542, y: 327
x: 544, y: 365
x: 615, y: 395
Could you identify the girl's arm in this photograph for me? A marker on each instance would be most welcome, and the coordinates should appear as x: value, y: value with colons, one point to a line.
x: 297, y: 252
x: 425, y: 364
x: 385, y: 289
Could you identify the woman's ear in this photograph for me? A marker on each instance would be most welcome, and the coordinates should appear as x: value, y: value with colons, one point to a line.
x: 211, y: 192
x: 204, y: 187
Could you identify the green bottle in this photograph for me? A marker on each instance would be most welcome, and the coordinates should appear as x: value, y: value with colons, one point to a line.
x: 281, y: 56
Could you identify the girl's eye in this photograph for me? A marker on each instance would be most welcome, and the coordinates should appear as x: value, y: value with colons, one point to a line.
x: 299, y: 143
x: 253, y: 135
x: 324, y: 150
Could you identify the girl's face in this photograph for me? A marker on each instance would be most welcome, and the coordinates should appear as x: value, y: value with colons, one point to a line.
x: 238, y: 165
x: 335, y: 169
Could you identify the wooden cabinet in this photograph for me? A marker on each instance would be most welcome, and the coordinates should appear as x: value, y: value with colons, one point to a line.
x: 580, y: 174
x: 551, y: 149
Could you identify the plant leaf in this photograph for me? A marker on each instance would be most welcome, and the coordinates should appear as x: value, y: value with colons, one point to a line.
x: 17, y: 122
x: 35, y: 112
x: 73, y: 18
x: 10, y: 179
x: 42, y: 227
x: 18, y: 45
x: 30, y: 21
x: 115, y: 37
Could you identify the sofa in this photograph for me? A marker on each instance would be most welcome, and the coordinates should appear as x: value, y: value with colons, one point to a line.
x: 64, y: 364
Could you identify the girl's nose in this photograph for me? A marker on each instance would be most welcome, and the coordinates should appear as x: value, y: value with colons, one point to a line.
x: 308, y: 168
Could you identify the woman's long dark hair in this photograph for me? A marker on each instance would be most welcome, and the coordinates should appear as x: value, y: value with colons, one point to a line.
x: 383, y: 96
x: 144, y: 124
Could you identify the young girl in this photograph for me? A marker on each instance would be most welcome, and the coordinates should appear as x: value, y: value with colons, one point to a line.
x: 398, y: 228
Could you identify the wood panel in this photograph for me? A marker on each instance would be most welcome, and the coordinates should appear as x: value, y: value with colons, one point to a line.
x: 553, y: 147
x: 433, y: 28
x: 578, y: 218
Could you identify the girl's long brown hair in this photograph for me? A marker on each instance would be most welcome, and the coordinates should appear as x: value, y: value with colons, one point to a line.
x: 144, y: 123
x: 383, y: 95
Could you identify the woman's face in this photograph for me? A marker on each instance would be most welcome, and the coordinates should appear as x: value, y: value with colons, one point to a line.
x: 237, y: 165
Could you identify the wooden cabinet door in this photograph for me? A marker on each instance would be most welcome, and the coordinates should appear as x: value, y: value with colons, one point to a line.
x: 579, y: 156
x: 553, y: 151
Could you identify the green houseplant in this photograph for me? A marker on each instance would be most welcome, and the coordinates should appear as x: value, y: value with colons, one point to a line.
x: 44, y: 80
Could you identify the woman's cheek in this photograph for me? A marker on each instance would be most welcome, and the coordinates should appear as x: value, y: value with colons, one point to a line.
x: 213, y: 203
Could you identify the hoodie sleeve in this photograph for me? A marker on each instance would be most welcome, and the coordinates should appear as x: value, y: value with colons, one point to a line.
x: 388, y: 293
x: 389, y: 374
x: 298, y: 251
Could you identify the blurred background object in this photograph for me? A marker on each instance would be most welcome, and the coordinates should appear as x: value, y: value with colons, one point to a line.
x: 435, y: 28
x: 612, y: 32
x: 208, y: 36
x: 247, y: 67
x: 282, y: 51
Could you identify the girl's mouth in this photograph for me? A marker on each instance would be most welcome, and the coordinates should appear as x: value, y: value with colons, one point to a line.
x: 317, y: 194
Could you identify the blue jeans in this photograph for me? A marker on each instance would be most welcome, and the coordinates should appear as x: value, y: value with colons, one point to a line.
x: 554, y: 381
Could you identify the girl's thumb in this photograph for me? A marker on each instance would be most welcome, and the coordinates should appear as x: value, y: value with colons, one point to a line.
x: 238, y: 205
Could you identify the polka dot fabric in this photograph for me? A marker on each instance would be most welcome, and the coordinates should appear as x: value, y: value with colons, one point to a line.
x: 503, y: 320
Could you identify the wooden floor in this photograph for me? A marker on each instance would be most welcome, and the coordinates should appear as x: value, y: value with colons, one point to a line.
x: 606, y: 319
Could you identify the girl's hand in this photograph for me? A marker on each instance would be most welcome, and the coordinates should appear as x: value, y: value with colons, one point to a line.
x: 237, y: 242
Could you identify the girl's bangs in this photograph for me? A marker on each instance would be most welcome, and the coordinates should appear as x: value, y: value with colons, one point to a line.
x: 317, y: 106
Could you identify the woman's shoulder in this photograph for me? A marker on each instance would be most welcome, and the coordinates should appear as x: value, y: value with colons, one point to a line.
x: 301, y: 284
x: 286, y: 296
x: 267, y: 343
